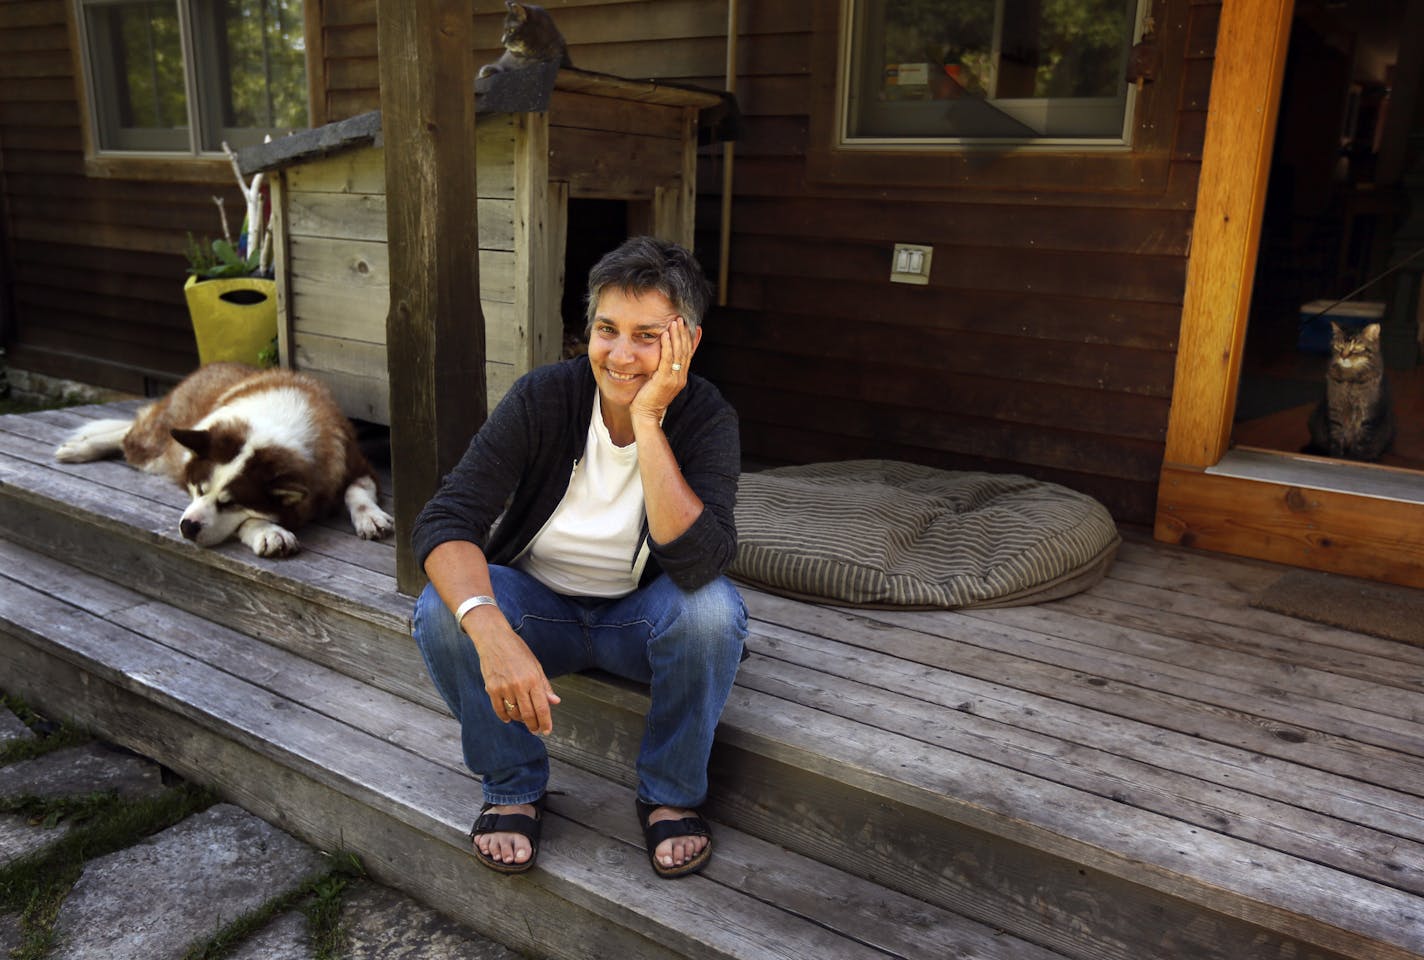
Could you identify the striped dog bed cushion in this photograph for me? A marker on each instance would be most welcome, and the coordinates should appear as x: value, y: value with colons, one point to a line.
x: 879, y: 533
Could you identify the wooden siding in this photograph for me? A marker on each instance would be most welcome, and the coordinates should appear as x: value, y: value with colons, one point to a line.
x: 95, y: 263
x: 1044, y: 342
x: 337, y: 286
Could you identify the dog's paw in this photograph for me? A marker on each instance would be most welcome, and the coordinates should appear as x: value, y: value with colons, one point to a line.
x: 98, y: 440
x: 372, y: 523
x: 272, y: 541
x: 73, y: 451
x: 82, y: 448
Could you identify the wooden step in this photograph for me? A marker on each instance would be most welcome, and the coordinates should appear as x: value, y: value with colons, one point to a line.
x: 1117, y: 776
x: 348, y: 766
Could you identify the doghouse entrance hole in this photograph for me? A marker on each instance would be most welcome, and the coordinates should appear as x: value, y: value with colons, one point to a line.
x: 594, y: 228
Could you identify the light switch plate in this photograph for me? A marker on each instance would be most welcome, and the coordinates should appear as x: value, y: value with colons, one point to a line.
x: 910, y: 263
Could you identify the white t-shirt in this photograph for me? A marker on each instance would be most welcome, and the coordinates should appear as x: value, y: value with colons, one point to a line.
x: 587, y: 547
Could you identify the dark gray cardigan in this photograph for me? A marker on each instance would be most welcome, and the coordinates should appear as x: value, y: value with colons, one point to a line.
x: 519, y: 464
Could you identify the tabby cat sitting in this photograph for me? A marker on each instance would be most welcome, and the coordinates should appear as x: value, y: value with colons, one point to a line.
x: 1355, y: 418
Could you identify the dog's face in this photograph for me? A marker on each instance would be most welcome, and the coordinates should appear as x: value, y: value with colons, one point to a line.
x: 231, y: 482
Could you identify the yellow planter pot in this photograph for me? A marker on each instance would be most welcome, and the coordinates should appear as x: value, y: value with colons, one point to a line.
x: 233, y: 319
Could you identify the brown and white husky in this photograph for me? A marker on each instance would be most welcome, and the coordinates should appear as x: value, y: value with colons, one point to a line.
x: 260, y: 453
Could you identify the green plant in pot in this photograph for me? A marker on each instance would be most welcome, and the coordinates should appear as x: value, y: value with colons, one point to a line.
x: 232, y: 298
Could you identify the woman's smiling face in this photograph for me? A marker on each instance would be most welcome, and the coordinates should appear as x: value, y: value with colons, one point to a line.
x: 624, y: 344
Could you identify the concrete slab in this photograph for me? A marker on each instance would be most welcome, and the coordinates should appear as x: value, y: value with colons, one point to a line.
x: 13, y: 728
x: 19, y: 838
x: 382, y: 923
x: 88, y: 768
x: 160, y: 897
x: 285, y: 938
x: 10, y: 935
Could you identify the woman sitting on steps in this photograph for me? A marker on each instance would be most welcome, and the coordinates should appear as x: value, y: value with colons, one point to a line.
x: 613, y: 478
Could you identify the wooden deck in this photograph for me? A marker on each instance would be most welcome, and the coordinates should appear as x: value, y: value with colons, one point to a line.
x: 1153, y: 768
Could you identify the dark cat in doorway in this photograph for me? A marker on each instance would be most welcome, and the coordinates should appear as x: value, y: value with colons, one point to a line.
x: 1355, y: 418
x: 530, y: 37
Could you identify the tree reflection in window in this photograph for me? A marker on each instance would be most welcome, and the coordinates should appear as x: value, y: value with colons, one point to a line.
x: 990, y: 68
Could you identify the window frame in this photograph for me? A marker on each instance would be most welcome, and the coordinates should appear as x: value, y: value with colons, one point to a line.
x: 204, y: 166
x: 1139, y: 164
x: 854, y: 20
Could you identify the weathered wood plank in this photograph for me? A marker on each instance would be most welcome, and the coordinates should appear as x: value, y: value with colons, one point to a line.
x: 714, y: 919
x: 863, y: 685
x: 1281, y: 691
x: 597, y: 163
x: 1232, y: 598
x: 364, y: 266
x: 363, y: 171
x: 1300, y: 526
x: 322, y: 355
x: 360, y: 171
x: 849, y: 905
x: 426, y: 859
x: 344, y: 269
x: 1160, y: 694
x: 1037, y: 701
x: 1257, y: 633
x: 281, y: 256
x: 580, y: 110
x: 436, y: 369
x: 321, y: 313
x: 1043, y: 227
x: 1232, y: 580
x: 537, y: 333
x: 362, y: 216
x: 959, y: 795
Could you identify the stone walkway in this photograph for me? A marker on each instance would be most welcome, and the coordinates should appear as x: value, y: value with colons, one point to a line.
x: 170, y: 893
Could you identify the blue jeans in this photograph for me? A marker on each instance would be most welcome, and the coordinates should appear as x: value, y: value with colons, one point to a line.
x: 685, y: 645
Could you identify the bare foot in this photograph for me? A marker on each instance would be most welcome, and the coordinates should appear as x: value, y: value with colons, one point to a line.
x: 507, y: 847
x: 676, y: 851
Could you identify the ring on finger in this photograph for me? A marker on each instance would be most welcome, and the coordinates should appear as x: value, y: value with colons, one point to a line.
x: 510, y: 706
x: 676, y: 367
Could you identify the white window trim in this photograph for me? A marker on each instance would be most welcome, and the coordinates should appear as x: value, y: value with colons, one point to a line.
x: 845, y: 141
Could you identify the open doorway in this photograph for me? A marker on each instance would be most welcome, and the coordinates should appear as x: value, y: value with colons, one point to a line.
x: 1343, y: 206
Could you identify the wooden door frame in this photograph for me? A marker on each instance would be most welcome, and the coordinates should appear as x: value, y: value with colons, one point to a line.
x: 1197, y: 504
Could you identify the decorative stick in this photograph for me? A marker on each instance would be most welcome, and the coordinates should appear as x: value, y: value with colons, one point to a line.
x: 222, y: 213
x: 252, y: 193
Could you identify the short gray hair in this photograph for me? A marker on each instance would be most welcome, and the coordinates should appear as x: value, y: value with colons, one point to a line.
x: 643, y: 264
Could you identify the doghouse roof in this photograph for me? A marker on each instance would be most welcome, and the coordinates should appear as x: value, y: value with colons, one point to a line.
x: 519, y: 91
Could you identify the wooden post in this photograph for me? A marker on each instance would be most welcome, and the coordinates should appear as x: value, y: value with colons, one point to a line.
x: 435, y: 337
x: 1251, y: 45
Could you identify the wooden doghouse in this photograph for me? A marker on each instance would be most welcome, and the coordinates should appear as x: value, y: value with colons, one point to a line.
x: 600, y: 138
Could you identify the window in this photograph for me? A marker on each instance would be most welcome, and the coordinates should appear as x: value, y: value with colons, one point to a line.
x: 183, y: 76
x: 941, y: 72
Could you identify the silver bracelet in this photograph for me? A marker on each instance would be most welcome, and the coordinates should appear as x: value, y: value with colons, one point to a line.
x: 470, y: 604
